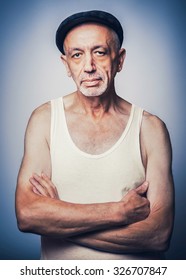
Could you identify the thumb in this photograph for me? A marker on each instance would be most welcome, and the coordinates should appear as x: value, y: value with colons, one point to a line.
x: 142, y: 189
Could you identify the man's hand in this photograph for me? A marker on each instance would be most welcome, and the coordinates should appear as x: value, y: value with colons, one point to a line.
x: 42, y: 185
x: 136, y: 206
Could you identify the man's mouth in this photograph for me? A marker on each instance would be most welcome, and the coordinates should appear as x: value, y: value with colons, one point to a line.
x: 91, y: 82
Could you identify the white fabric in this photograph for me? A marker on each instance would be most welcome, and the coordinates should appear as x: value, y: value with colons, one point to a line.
x: 84, y: 178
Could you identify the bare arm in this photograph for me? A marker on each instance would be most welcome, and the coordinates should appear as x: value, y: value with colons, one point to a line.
x: 153, y: 233
x: 45, y: 215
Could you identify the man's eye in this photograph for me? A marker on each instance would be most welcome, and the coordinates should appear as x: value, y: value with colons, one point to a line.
x: 100, y: 53
x: 76, y: 55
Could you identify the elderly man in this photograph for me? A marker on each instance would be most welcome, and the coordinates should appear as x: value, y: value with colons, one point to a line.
x: 95, y: 180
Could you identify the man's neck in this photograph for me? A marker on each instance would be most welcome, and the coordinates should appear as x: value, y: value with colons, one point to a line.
x: 96, y: 106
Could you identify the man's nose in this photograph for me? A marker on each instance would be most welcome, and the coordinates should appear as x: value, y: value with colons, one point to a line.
x: 89, y: 65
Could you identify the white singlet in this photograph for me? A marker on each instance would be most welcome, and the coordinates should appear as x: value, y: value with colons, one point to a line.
x: 84, y: 178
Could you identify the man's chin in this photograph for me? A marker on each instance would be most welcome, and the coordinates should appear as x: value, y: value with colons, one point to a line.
x: 92, y: 92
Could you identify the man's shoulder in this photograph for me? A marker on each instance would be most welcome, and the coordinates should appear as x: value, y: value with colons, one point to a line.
x: 154, y: 131
x: 153, y: 123
x: 42, y: 110
x: 38, y: 126
x: 41, y: 113
x: 40, y: 117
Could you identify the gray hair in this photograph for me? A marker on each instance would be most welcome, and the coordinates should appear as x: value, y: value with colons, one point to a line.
x: 115, y: 40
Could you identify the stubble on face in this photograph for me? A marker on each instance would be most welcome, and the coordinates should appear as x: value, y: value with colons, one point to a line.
x: 96, y: 80
x: 93, y: 84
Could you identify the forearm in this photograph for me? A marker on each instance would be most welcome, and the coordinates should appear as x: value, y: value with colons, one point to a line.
x: 150, y: 235
x: 39, y: 210
x: 112, y: 240
x: 52, y: 217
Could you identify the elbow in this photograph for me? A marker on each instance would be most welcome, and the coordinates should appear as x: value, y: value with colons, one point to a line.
x: 23, y: 220
x: 25, y: 212
x: 163, y: 245
x: 161, y: 233
x: 161, y: 240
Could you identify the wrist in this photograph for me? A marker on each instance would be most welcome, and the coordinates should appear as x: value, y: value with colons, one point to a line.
x: 123, y: 213
x: 119, y: 217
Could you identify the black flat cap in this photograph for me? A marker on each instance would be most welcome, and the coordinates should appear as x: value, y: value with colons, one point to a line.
x: 96, y: 16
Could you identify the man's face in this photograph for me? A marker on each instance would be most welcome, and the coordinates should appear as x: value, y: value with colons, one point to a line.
x: 92, y: 58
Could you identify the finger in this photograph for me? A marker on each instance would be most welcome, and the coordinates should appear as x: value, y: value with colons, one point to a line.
x: 46, y: 184
x: 35, y: 190
x: 40, y: 190
x: 39, y: 179
x: 48, y: 180
x: 38, y: 187
x: 51, y: 187
x: 142, y: 189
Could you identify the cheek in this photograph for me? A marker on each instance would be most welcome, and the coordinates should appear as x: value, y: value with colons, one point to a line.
x: 109, y: 68
x: 75, y: 71
x: 104, y: 69
x: 108, y: 72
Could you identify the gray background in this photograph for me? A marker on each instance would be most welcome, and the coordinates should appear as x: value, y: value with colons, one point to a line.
x: 31, y: 73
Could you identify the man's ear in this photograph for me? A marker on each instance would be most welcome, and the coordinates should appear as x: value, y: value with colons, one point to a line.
x: 64, y: 60
x: 121, y: 59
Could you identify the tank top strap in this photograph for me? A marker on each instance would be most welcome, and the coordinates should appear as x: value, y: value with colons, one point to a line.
x: 137, y: 119
x: 133, y: 136
x: 57, y: 122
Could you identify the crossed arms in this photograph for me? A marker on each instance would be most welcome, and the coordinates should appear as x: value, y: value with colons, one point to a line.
x: 141, y: 222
